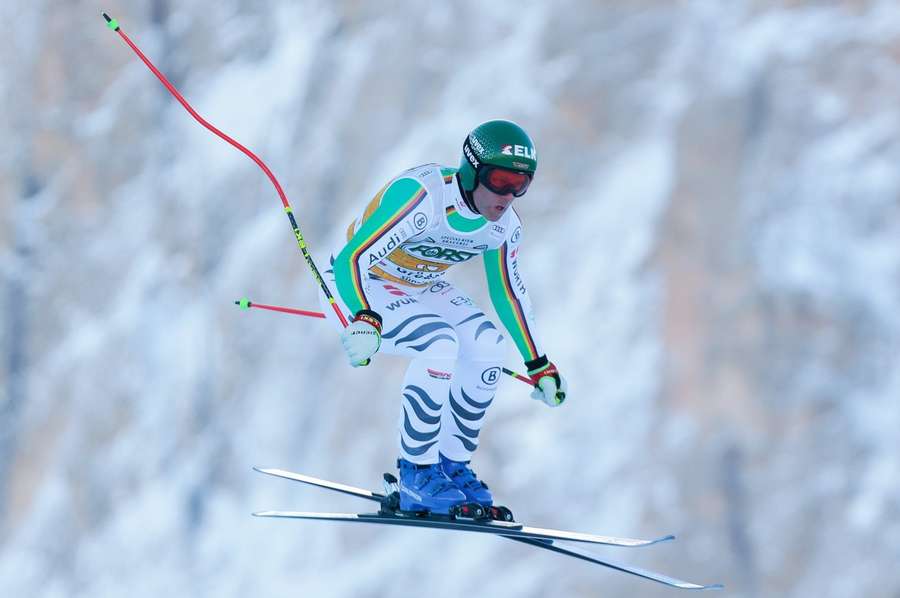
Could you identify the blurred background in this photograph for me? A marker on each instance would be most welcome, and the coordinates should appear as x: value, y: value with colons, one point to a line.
x: 712, y: 246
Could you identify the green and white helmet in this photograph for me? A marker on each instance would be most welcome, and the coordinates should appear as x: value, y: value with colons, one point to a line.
x: 496, y: 144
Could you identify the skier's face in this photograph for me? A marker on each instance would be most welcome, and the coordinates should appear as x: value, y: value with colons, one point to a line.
x: 489, y: 204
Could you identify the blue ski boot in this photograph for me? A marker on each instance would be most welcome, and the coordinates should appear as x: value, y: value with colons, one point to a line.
x: 427, y: 488
x: 465, y: 479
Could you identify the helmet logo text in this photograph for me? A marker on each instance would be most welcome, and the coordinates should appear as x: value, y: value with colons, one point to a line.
x: 471, y: 156
x: 518, y: 150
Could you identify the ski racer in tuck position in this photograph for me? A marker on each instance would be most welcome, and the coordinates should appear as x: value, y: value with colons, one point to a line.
x: 390, y: 276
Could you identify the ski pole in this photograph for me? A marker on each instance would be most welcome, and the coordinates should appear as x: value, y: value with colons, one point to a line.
x: 114, y: 25
x: 247, y: 304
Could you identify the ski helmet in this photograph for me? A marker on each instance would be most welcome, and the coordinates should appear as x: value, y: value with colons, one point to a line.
x: 496, y: 143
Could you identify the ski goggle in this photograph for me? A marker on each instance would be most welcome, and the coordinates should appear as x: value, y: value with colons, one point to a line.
x: 503, y: 182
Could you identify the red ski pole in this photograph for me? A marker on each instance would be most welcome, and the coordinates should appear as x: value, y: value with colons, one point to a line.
x: 247, y: 304
x: 114, y: 25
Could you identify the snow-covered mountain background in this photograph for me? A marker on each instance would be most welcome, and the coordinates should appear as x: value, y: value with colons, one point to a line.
x: 712, y: 247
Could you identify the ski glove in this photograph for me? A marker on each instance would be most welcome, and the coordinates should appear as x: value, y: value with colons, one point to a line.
x: 362, y: 338
x: 549, y: 386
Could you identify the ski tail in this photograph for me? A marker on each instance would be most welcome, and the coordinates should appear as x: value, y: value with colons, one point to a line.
x: 306, y: 479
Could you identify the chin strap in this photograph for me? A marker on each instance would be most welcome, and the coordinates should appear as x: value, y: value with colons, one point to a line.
x: 467, y: 195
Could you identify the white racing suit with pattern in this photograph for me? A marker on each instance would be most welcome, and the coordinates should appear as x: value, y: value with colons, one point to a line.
x: 397, y: 252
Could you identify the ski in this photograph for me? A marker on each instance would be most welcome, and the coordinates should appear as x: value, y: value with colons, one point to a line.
x: 510, y: 530
x: 306, y: 479
x: 637, y: 571
x: 501, y: 528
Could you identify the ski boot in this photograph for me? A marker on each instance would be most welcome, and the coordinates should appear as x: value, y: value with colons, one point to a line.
x: 475, y: 490
x: 426, y: 489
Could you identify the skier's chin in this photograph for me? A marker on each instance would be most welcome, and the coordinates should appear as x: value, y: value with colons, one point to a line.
x: 495, y: 213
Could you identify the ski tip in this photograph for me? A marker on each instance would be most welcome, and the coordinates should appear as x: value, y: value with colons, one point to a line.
x: 696, y: 586
x: 243, y: 303
x: 668, y: 538
x: 686, y: 585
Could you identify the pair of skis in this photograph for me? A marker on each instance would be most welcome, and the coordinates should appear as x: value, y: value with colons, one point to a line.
x: 538, y: 537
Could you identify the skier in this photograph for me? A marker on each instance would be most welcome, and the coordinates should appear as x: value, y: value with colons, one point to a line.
x: 390, y: 277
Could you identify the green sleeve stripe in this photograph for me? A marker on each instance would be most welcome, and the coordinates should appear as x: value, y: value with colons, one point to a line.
x: 508, y: 306
x: 398, y: 201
